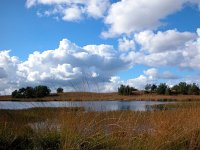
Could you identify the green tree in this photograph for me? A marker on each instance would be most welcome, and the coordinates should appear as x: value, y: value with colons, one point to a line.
x: 153, y: 88
x: 29, y: 92
x: 175, y: 89
x: 42, y: 91
x: 167, y: 91
x: 183, y: 88
x: 126, y: 90
x: 161, y: 89
x: 193, y: 89
x: 147, y: 87
x: 59, y: 90
x: 15, y: 94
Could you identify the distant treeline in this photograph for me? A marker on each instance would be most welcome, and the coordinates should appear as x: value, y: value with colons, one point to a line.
x: 126, y: 90
x: 30, y: 92
x: 163, y: 89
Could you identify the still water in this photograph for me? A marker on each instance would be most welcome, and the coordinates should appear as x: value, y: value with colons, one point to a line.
x: 87, y: 105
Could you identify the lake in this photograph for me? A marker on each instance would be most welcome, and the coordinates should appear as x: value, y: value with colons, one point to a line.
x: 87, y: 105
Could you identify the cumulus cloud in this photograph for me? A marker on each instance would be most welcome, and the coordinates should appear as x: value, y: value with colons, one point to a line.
x: 153, y: 73
x: 71, y: 10
x: 131, y: 16
x: 2, y: 73
x: 121, y: 17
x: 8, y: 69
x: 149, y: 76
x: 126, y: 44
x: 169, y: 40
x: 91, y: 67
x: 167, y: 48
x: 68, y: 64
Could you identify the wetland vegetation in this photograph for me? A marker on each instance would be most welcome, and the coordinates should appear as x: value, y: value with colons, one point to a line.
x: 73, y: 128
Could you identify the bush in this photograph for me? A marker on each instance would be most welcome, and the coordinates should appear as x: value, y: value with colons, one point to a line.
x: 51, y: 141
x: 59, y: 90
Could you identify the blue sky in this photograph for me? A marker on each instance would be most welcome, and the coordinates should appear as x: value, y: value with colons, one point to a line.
x: 114, y: 42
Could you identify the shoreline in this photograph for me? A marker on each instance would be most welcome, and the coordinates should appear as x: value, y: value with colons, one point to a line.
x: 86, y: 96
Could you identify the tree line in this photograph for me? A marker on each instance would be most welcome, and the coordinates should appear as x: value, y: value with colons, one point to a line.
x: 30, y: 92
x: 163, y: 89
x: 34, y: 92
x: 126, y: 90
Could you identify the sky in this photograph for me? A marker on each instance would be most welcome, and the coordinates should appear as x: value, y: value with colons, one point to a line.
x: 96, y: 45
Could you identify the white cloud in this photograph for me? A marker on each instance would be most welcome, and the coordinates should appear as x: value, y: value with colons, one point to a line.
x: 66, y: 65
x: 168, y: 48
x: 126, y: 44
x: 132, y: 16
x: 2, y: 73
x: 71, y: 10
x: 129, y: 16
x: 8, y: 68
x: 97, y: 8
x: 169, y: 40
x: 71, y: 14
x: 153, y: 73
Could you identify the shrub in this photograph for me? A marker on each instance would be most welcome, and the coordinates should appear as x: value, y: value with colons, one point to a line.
x: 51, y: 141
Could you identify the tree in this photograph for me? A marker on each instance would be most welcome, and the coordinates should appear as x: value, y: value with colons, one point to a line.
x: 15, y: 94
x: 183, y: 88
x: 175, y: 89
x: 42, y: 91
x: 126, y: 90
x: 59, y: 90
x: 161, y: 89
x: 193, y: 89
x: 168, y: 91
x: 153, y: 88
x: 29, y: 92
x: 147, y: 87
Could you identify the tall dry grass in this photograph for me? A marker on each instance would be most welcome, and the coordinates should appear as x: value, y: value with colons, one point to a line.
x: 76, y: 129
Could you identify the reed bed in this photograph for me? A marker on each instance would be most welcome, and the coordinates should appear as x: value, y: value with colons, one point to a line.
x: 76, y: 129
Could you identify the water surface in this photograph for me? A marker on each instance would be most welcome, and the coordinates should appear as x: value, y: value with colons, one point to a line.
x: 87, y: 105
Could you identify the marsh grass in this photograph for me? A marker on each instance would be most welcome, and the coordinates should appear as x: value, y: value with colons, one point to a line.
x: 73, y: 128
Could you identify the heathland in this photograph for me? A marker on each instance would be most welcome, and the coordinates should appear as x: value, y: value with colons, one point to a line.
x: 83, y: 96
x: 169, y: 127
x: 67, y: 128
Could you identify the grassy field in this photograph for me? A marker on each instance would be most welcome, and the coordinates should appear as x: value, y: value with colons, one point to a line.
x: 73, y: 128
x: 83, y: 96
